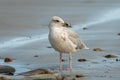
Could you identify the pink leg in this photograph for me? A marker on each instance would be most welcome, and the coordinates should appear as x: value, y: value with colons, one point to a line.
x: 60, y: 65
x: 70, y: 61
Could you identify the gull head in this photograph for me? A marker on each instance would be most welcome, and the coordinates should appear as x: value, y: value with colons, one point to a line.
x: 57, y: 19
x: 58, y: 22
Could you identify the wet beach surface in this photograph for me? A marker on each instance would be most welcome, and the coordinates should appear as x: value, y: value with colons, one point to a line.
x: 23, y: 36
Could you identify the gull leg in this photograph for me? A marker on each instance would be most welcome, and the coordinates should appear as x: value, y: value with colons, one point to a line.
x: 60, y: 65
x: 70, y: 61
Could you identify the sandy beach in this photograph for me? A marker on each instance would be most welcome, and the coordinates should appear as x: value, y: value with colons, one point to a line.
x: 24, y: 35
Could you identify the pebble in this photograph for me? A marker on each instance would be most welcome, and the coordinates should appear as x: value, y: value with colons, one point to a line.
x: 8, y: 60
x: 117, y: 59
x: 97, y: 49
x: 3, y: 78
x: 63, y: 60
x: 85, y: 28
x: 82, y: 60
x: 36, y: 55
x: 49, y: 46
x: 110, y: 56
x: 79, y: 75
x: 118, y: 34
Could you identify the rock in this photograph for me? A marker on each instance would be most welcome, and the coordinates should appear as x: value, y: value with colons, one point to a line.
x: 117, y: 59
x: 79, y: 75
x: 110, y: 56
x: 63, y: 60
x: 97, y: 49
x: 85, y: 28
x: 8, y: 70
x: 3, y: 78
x: 40, y: 74
x: 36, y: 72
x: 8, y: 60
x: 118, y: 34
x: 36, y: 55
x: 43, y: 77
x: 82, y: 60
x: 49, y: 46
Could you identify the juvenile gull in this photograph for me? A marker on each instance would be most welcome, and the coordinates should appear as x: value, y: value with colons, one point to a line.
x: 64, y: 40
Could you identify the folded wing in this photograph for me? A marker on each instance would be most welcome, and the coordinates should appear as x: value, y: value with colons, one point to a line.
x: 75, y: 39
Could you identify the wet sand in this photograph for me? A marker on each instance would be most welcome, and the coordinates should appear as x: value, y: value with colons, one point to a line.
x: 23, y: 32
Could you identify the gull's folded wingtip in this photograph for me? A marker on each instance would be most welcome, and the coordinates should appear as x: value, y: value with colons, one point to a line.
x: 86, y: 47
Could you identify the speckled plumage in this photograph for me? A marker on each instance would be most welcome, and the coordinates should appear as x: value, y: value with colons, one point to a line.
x: 62, y: 39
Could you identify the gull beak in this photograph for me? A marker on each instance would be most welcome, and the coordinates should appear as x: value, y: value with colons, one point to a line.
x: 66, y: 24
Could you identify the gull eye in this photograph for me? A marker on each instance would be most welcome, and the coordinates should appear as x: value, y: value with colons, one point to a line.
x: 56, y: 21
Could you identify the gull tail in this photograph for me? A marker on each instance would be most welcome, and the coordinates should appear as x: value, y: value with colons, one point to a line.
x: 85, y: 47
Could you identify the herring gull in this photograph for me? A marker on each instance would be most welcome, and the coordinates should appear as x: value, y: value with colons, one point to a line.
x: 63, y: 39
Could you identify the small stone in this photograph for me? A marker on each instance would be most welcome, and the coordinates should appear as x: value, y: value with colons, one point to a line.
x: 36, y: 56
x: 49, y: 46
x: 63, y: 60
x: 85, y: 28
x: 3, y: 78
x: 8, y: 60
x: 110, y: 56
x: 118, y: 34
x: 79, y: 75
x: 117, y: 59
x: 82, y: 60
x: 97, y: 49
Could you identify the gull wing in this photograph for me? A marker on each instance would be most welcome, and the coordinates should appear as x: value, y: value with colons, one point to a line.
x: 75, y: 39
